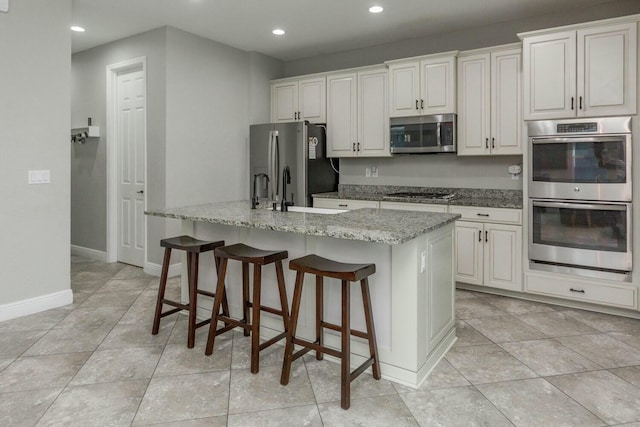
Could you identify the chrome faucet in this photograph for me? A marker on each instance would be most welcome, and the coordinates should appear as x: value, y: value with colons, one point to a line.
x: 255, y: 199
x: 286, y: 179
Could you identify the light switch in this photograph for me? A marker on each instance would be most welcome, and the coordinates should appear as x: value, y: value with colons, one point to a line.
x: 4, y: 5
x: 40, y: 177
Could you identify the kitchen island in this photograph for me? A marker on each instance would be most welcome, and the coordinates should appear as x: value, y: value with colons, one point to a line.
x: 412, y: 290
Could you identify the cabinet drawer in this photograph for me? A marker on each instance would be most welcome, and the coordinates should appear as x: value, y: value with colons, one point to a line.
x: 424, y: 207
x: 598, y: 293
x: 344, y: 204
x: 498, y: 215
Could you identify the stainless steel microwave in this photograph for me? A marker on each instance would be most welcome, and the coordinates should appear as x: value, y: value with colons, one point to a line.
x: 424, y: 134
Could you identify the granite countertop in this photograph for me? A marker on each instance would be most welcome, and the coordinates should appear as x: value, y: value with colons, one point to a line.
x: 369, y: 225
x: 464, y: 196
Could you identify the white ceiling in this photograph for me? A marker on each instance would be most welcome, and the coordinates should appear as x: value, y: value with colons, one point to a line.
x: 313, y: 26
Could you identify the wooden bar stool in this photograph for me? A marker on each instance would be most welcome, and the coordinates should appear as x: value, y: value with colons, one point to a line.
x: 347, y: 273
x: 193, y: 248
x: 248, y: 255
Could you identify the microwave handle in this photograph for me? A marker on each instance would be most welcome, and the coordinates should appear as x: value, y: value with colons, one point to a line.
x: 581, y: 206
x: 439, y: 133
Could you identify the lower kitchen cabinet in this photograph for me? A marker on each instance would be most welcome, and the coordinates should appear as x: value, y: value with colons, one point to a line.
x: 423, y: 207
x: 344, y: 204
x: 489, y: 254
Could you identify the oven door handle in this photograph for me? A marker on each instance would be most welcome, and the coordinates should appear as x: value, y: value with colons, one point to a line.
x: 574, y: 139
x: 581, y: 206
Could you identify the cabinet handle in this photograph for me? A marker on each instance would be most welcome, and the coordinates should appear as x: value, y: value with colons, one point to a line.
x: 479, y: 235
x: 572, y: 102
x: 486, y: 236
x: 354, y: 147
x: 343, y: 206
x: 580, y: 102
x: 422, y: 104
x: 580, y: 291
x: 486, y: 143
x: 493, y: 143
x: 295, y: 115
x: 358, y: 146
x: 479, y: 214
x: 416, y: 104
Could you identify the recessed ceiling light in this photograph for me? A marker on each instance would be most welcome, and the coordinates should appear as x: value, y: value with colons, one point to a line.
x: 278, y: 31
x: 77, y: 29
x: 376, y: 9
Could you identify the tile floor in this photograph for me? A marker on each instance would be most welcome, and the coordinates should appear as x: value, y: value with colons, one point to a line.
x: 95, y: 363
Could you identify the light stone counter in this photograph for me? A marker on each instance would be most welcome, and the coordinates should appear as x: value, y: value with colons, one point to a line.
x: 412, y: 290
x: 369, y: 225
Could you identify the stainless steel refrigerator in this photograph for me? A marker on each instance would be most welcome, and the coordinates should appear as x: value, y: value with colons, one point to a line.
x: 303, y: 148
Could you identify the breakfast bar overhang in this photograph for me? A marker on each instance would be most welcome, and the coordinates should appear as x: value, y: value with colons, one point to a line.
x: 412, y: 291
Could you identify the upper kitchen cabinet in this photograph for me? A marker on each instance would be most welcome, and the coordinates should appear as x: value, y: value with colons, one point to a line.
x: 423, y: 85
x: 300, y: 99
x: 358, y: 114
x: 584, y: 70
x: 489, y: 101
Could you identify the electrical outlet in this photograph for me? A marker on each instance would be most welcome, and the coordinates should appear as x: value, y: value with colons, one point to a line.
x: 39, y: 177
x: 367, y: 172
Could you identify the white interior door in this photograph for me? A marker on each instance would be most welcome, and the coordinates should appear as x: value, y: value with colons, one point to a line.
x: 131, y: 119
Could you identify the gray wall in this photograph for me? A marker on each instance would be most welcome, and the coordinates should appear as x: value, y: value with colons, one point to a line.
x: 34, y: 133
x: 89, y: 160
x: 199, y: 110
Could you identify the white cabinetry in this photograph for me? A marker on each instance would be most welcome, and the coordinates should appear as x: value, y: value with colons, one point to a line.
x: 489, y: 253
x: 423, y: 207
x: 357, y: 114
x: 489, y: 102
x: 423, y: 85
x: 344, y: 203
x: 296, y: 100
x: 582, y: 71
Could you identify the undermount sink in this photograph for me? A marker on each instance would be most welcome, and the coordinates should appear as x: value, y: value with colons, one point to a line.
x: 304, y: 209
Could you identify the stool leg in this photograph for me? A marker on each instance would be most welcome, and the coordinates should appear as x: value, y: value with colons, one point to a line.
x: 245, y: 295
x: 371, y: 331
x: 192, y: 261
x: 255, y: 319
x: 345, y: 364
x: 282, y: 289
x: 319, y: 314
x: 161, y: 289
x: 216, y: 307
x: 225, y: 303
x: 291, y: 330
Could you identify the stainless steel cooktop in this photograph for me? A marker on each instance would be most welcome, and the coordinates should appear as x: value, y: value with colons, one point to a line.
x: 421, y: 195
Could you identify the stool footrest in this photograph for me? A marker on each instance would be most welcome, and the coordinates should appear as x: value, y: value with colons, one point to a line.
x: 317, y: 347
x: 360, y: 369
x: 338, y: 328
x: 204, y: 322
x: 206, y: 293
x: 167, y: 313
x: 272, y: 340
x: 175, y: 304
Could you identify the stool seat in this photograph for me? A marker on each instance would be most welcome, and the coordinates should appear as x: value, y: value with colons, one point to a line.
x: 319, y: 266
x: 244, y: 253
x: 193, y: 248
x: 189, y: 244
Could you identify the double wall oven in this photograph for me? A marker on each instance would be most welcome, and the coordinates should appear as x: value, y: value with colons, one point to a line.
x: 580, y: 206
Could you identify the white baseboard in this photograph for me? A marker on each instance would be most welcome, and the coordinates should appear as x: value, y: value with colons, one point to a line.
x: 35, y: 305
x: 156, y: 269
x: 89, y: 253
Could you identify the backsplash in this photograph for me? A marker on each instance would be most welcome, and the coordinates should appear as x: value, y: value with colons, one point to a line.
x: 440, y: 170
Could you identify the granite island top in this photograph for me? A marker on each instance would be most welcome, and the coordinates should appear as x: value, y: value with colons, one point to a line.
x: 487, y: 198
x: 369, y: 225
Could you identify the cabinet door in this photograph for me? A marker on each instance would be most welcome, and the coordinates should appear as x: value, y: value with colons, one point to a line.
x: 373, y: 114
x: 438, y: 85
x: 502, y: 256
x: 550, y: 76
x: 506, y: 102
x: 312, y: 100
x: 607, y: 75
x: 284, y: 102
x: 469, y: 246
x: 404, y: 89
x: 342, y: 120
x: 474, y: 96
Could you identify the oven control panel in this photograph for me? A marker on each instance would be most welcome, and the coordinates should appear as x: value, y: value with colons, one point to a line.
x: 590, y: 127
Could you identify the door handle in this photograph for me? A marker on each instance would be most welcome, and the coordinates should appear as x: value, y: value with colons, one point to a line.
x: 140, y: 192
